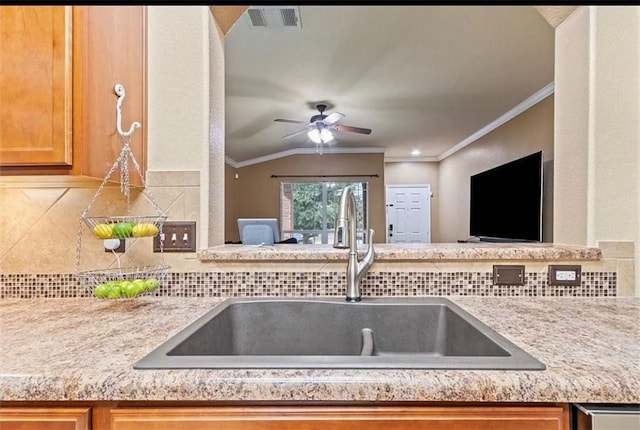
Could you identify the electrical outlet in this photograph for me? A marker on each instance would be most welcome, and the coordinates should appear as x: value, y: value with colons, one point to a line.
x: 568, y: 274
x: 120, y: 248
x: 176, y: 236
x: 507, y: 274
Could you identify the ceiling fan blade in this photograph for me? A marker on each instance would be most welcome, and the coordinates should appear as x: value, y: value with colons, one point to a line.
x: 295, y: 133
x: 334, y: 117
x: 353, y: 129
x: 293, y: 121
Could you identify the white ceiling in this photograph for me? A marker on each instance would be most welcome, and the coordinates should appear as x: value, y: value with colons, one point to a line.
x: 421, y: 77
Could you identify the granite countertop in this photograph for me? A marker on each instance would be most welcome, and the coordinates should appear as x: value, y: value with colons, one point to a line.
x: 406, y: 251
x: 84, y: 349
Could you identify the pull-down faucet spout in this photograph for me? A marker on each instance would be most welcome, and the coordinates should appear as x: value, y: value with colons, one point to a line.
x: 345, y: 237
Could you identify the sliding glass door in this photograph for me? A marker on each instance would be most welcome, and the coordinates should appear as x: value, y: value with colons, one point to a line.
x: 308, y: 210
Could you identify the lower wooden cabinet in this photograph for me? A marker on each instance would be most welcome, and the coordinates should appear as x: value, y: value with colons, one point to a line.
x: 29, y: 418
x: 341, y: 418
x: 173, y: 416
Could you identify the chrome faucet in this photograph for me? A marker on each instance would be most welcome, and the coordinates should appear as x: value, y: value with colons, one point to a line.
x: 345, y: 237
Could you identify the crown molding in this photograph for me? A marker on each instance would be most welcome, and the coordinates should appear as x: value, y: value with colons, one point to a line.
x: 514, y: 112
x: 301, y: 151
x: 410, y: 159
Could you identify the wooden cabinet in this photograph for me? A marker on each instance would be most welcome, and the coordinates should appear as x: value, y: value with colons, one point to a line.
x: 35, y: 85
x: 174, y: 416
x: 110, y: 48
x: 342, y: 418
x: 30, y: 418
x: 59, y: 68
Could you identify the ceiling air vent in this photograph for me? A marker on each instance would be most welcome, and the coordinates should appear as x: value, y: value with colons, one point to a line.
x: 274, y: 17
x: 256, y: 16
x: 289, y: 17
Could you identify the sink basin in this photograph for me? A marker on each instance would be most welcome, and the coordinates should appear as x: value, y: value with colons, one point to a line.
x: 420, y: 333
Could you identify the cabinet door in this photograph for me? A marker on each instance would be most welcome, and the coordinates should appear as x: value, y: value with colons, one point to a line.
x: 341, y: 418
x: 110, y: 49
x: 35, y: 85
x: 44, y: 418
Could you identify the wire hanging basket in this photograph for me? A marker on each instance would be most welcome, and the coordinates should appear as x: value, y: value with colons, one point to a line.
x: 127, y: 282
x: 122, y: 227
x: 122, y: 282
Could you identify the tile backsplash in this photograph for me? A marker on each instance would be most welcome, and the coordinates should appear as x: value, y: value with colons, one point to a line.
x: 40, y: 225
x: 298, y: 284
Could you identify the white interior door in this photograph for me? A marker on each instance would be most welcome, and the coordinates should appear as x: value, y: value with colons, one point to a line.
x: 408, y: 213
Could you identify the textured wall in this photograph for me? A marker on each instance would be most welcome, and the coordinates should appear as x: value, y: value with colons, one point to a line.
x: 598, y: 128
x: 529, y: 132
x: 571, y: 128
x: 178, y: 87
x: 213, y: 205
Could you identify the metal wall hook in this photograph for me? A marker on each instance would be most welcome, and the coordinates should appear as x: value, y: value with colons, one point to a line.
x: 119, y: 90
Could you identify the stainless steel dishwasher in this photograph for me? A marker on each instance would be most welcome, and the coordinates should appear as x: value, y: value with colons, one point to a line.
x: 587, y: 416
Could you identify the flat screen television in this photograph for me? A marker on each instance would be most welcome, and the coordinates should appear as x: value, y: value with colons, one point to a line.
x: 506, y: 201
x: 271, y: 222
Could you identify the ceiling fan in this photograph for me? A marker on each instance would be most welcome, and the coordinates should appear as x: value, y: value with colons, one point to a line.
x: 320, y: 127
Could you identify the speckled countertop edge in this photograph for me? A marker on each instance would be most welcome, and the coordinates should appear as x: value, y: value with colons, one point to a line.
x: 84, y: 349
x: 405, y: 252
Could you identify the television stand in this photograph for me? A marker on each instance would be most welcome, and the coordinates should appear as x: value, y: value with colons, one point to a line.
x: 501, y: 240
x: 472, y: 239
x: 488, y: 239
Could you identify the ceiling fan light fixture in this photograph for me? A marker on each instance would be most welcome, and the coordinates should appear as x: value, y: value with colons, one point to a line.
x: 319, y: 128
x: 320, y: 135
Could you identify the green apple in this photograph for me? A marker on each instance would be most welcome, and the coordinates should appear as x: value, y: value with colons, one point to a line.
x: 139, y: 286
x: 128, y: 289
x: 123, y: 230
x: 113, y: 284
x: 101, y: 291
x: 151, y: 284
x: 114, y: 292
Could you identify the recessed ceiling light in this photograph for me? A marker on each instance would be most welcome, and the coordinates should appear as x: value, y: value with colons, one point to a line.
x: 415, y: 152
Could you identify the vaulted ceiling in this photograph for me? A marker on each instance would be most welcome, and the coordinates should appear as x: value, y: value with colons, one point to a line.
x: 424, y: 78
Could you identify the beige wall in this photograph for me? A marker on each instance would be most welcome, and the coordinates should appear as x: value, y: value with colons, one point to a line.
x: 571, y: 131
x: 212, y: 199
x: 186, y: 116
x: 414, y: 173
x: 256, y: 194
x: 529, y: 132
x: 230, y: 193
x: 598, y: 128
x: 178, y: 108
x: 616, y: 130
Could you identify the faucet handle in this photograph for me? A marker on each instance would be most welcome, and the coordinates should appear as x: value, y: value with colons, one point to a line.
x: 340, y: 236
x: 371, y: 234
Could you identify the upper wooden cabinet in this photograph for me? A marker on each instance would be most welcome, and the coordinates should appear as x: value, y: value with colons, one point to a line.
x: 35, y: 85
x: 110, y: 49
x: 59, y: 67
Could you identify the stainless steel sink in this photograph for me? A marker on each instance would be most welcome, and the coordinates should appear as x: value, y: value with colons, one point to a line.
x: 421, y: 333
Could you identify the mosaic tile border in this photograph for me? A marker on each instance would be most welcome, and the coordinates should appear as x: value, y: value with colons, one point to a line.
x: 274, y: 284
